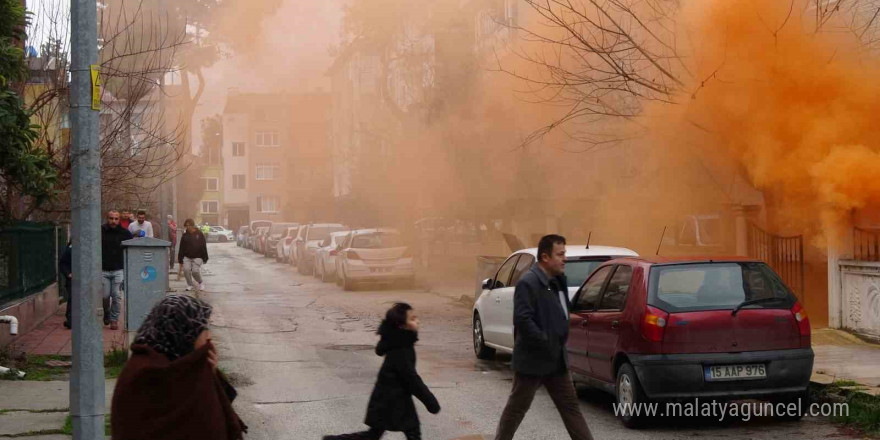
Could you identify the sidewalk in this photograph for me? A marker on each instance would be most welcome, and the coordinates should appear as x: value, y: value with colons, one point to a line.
x: 842, y: 356
x: 51, y: 338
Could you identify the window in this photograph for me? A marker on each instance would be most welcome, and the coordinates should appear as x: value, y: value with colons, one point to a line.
x: 577, y: 271
x: 588, y: 297
x: 238, y: 149
x: 267, y: 172
x: 615, y: 294
x: 210, y: 206
x: 522, y: 266
x: 376, y: 240
x: 716, y: 286
x: 239, y: 181
x: 267, y: 139
x: 503, y: 276
x: 211, y: 183
x: 267, y: 204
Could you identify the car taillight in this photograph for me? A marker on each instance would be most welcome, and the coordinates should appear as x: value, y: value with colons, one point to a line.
x: 654, y: 323
x: 288, y: 240
x: 800, y: 315
x: 352, y: 255
x: 334, y: 253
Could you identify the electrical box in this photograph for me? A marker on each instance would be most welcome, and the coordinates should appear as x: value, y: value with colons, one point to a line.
x: 146, y: 278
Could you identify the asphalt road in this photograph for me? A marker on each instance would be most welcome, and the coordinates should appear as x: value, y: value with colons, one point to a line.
x: 301, y: 354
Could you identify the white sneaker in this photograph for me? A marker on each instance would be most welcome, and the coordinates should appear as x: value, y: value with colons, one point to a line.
x: 201, y: 286
x: 189, y: 288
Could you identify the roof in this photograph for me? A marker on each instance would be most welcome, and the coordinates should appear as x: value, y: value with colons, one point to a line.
x: 656, y: 260
x: 339, y: 233
x: 576, y: 251
x: 326, y: 225
x: 374, y: 230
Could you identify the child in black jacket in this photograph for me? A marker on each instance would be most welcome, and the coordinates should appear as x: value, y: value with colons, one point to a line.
x: 391, y: 406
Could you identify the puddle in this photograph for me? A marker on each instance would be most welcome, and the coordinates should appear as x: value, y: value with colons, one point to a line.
x: 351, y: 347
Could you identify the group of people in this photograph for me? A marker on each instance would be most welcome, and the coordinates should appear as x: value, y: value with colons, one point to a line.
x: 171, y: 387
x: 122, y: 226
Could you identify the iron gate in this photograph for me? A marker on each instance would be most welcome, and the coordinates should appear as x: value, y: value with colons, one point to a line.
x: 784, y: 254
x: 866, y: 244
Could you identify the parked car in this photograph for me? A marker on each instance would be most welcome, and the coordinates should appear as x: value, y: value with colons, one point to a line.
x: 241, y: 238
x: 325, y: 257
x: 374, y: 256
x: 307, y: 242
x: 493, y: 310
x: 276, y: 232
x: 286, y: 243
x: 252, y: 232
x: 683, y: 328
x: 259, y: 239
x: 219, y: 234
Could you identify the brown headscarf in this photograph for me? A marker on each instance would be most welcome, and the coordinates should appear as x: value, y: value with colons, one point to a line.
x: 168, y: 392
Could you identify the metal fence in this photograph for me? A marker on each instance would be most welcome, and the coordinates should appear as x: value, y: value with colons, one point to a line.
x: 866, y: 244
x: 784, y: 254
x: 28, y: 258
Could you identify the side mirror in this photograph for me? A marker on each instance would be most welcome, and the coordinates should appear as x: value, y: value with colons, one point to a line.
x: 487, y: 284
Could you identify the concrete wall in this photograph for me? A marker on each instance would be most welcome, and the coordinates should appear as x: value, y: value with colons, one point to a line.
x: 31, y: 312
x: 857, y: 298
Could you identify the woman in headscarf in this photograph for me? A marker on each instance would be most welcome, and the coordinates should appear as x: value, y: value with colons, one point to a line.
x: 171, y: 388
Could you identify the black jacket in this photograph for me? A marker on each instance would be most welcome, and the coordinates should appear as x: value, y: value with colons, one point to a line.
x: 193, y: 246
x: 65, y: 266
x: 391, y: 406
x: 112, y: 257
x: 540, y: 325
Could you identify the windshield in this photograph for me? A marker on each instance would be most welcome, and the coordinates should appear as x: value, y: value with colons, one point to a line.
x: 377, y: 240
x: 278, y: 228
x: 716, y: 286
x: 577, y: 271
x: 257, y: 224
x: 323, y: 232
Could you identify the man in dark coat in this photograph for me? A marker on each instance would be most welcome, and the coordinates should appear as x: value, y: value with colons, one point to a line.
x: 391, y: 406
x: 540, y: 327
x: 112, y: 264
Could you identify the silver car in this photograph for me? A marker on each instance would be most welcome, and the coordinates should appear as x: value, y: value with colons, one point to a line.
x: 325, y: 258
x: 220, y: 234
x: 374, y: 256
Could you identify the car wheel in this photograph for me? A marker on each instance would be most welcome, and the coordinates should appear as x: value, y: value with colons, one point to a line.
x: 347, y: 284
x: 480, y: 348
x: 629, y: 395
x: 223, y: 239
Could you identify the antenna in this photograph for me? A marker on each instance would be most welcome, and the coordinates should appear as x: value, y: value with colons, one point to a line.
x: 661, y: 240
x: 588, y: 239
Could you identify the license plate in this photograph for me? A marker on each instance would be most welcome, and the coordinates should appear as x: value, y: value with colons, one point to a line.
x: 380, y: 269
x: 735, y: 372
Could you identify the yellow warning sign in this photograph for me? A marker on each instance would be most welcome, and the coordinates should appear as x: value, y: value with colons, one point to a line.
x: 96, y: 86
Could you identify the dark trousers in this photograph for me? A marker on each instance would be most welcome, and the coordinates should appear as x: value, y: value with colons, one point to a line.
x: 68, y: 287
x: 561, y: 390
x: 375, y: 434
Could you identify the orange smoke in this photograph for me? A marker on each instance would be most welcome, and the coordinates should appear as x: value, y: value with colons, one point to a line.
x: 796, y: 107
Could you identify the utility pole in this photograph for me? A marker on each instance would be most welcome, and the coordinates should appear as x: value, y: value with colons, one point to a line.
x: 87, y: 377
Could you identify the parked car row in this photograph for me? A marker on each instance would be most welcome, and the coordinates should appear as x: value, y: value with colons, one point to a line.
x: 665, y: 329
x: 334, y: 252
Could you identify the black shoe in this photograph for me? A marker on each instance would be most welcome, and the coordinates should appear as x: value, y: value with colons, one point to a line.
x: 67, y: 324
x: 106, y: 321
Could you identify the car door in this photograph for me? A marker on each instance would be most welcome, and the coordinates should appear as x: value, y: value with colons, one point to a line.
x: 523, y: 265
x: 492, y: 315
x: 585, y: 302
x: 605, y: 324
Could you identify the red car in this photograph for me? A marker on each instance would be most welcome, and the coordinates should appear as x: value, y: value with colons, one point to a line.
x: 676, y: 329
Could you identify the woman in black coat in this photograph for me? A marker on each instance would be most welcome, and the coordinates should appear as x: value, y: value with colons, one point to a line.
x: 391, y: 405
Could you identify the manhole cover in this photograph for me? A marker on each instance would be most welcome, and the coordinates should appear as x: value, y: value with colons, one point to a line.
x: 351, y: 347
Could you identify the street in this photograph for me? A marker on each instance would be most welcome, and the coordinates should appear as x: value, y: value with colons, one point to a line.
x: 301, y: 355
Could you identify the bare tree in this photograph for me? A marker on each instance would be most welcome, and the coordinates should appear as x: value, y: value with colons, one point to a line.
x: 140, y: 143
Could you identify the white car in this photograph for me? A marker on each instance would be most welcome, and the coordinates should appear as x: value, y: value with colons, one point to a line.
x: 308, y: 241
x: 285, y: 245
x: 376, y: 256
x: 220, y: 234
x: 325, y: 258
x: 493, y: 309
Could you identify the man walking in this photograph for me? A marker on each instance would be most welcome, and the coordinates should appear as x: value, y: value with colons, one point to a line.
x: 141, y: 228
x: 172, y: 237
x: 112, y: 264
x: 540, y: 327
x: 125, y: 220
